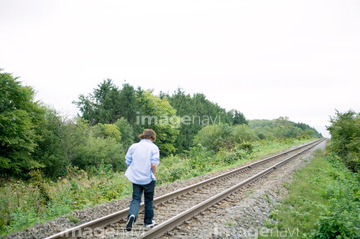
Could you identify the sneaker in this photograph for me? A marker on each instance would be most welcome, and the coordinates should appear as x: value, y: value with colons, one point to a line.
x: 151, y: 225
x: 130, y: 222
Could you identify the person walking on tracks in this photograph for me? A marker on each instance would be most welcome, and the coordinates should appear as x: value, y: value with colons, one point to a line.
x: 142, y: 159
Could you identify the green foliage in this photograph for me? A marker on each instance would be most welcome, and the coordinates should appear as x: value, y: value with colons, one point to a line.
x: 305, y: 202
x: 97, y: 151
x: 282, y: 127
x: 241, y: 133
x: 108, y: 103
x: 159, y: 115
x: 341, y: 216
x: 101, y: 146
x: 51, y: 147
x: 72, y: 218
x: 132, y: 111
x: 103, y: 106
x: 285, y: 128
x: 214, y: 137
x: 128, y: 104
x: 238, y: 117
x: 323, y: 201
x: 228, y: 157
x: 171, y: 168
x: 345, y: 138
x: 75, y: 142
x: 22, y: 204
x: 20, y: 116
x: 184, y: 105
x: 127, y: 132
x: 199, y: 112
x: 106, y: 131
x: 74, y: 133
x: 199, y: 156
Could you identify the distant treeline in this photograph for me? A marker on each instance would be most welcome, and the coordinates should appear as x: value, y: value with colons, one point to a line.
x: 36, y: 137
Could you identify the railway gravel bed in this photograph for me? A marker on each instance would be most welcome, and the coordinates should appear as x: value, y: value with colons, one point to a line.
x: 244, y: 214
x: 176, y: 206
x: 88, y: 214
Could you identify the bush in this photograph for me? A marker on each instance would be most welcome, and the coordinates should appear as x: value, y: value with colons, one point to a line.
x: 199, y: 156
x: 51, y: 151
x: 214, y: 137
x: 341, y: 217
x: 127, y: 132
x: 226, y: 157
x: 345, y: 138
x: 241, y: 133
x: 97, y: 151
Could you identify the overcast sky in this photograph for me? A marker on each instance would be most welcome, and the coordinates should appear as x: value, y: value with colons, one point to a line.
x: 299, y: 59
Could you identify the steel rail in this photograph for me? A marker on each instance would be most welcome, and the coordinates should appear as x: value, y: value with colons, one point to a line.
x: 173, y: 222
x: 115, y: 217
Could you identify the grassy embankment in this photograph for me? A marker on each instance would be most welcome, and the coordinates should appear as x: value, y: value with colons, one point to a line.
x: 22, y: 204
x: 323, y: 202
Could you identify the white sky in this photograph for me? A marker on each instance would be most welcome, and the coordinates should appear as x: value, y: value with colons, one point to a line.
x: 299, y: 59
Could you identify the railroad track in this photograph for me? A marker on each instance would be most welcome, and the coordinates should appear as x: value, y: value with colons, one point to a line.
x: 175, y: 208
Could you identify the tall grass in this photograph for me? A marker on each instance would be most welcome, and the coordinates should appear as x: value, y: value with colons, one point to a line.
x: 22, y: 204
x: 323, y: 202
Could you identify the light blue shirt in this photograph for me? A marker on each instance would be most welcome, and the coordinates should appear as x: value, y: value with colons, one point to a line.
x: 140, y: 156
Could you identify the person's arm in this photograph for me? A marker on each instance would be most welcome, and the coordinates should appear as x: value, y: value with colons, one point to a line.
x: 128, y: 156
x: 155, y: 159
x: 153, y: 168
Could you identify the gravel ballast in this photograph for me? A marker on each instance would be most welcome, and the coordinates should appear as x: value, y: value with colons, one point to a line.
x: 244, y: 215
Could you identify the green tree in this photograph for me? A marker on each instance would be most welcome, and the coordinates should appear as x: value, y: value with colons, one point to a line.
x: 159, y: 115
x: 345, y: 138
x: 127, y: 132
x: 92, y: 146
x: 214, y: 137
x: 50, y: 151
x: 308, y: 131
x: 184, y: 105
x: 243, y: 133
x: 237, y: 117
x: 106, y: 131
x: 74, y: 132
x: 108, y: 103
x: 281, y: 128
x: 199, y: 111
x: 20, y: 116
x: 127, y: 103
x: 103, y: 106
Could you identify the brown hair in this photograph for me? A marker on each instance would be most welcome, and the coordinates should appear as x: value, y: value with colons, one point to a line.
x: 148, y: 134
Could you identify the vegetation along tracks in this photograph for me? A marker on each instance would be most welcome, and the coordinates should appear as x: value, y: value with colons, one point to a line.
x: 179, y: 206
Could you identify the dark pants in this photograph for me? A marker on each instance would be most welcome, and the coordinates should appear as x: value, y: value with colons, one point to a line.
x: 136, y: 199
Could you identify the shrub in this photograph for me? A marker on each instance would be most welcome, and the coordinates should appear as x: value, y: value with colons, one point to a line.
x: 241, y: 133
x: 199, y: 156
x: 127, y: 132
x: 345, y: 138
x: 341, y: 217
x: 97, y: 151
x: 214, y: 137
